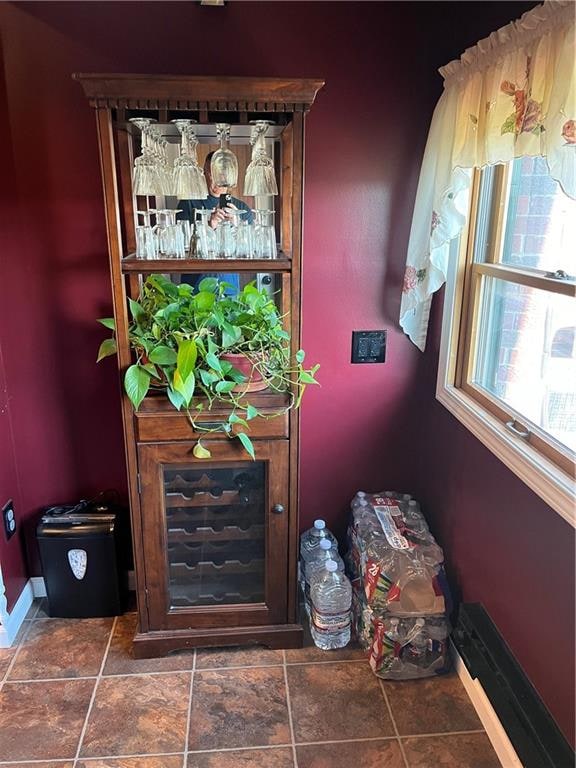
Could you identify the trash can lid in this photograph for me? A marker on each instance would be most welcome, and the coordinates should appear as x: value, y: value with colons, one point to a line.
x: 69, y: 529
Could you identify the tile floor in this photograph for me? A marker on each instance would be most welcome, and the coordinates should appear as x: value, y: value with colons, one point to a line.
x: 72, y: 696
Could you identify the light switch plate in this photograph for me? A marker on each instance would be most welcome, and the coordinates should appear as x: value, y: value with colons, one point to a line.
x: 368, y: 346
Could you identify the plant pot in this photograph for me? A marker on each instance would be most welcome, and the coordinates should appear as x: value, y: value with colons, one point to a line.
x: 254, y: 382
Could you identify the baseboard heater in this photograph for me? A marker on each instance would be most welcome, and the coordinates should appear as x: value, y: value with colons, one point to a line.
x: 538, y: 741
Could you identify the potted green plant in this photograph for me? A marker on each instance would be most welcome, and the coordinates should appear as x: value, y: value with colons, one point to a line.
x: 203, y: 347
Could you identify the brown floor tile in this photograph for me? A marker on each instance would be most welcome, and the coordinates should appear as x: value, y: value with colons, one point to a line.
x: 471, y: 750
x: 311, y: 653
x: 62, y: 648
x: 368, y: 754
x: 239, y: 708
x: 165, y: 761
x: 246, y: 758
x: 6, y: 656
x: 436, y: 705
x: 121, y: 661
x: 214, y: 658
x: 138, y: 715
x: 336, y: 701
x: 51, y: 764
x: 49, y: 722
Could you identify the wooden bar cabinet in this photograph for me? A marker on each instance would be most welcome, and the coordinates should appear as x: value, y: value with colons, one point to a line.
x: 215, y: 540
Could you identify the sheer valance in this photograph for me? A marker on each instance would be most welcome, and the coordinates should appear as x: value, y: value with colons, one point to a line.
x: 511, y: 95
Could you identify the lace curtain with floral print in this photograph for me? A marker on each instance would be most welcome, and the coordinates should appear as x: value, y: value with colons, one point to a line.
x: 511, y: 95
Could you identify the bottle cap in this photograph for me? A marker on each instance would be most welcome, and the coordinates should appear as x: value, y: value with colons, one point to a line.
x: 406, y: 496
x: 361, y: 494
x: 331, y: 566
x: 319, y: 524
x: 412, y: 503
x: 325, y: 544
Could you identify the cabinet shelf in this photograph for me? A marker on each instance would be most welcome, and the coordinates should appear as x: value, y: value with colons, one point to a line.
x: 131, y: 264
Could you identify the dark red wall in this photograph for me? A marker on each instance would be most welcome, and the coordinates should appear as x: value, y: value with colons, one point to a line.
x: 365, y: 137
x: 368, y: 426
x: 504, y: 547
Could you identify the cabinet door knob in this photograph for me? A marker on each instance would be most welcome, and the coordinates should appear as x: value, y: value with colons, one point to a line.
x: 277, y: 509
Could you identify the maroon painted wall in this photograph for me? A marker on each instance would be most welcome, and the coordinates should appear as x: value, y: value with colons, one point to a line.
x: 368, y: 426
x: 504, y: 546
x: 365, y: 137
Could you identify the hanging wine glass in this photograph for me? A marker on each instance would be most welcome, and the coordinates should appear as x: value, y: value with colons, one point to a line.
x: 260, y: 178
x: 189, y: 180
x: 144, y: 179
x: 224, y: 166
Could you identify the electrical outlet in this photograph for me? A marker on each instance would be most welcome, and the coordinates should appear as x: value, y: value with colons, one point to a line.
x: 9, y: 519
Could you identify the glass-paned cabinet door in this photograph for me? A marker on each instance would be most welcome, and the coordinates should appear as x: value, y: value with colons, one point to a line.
x: 215, y: 534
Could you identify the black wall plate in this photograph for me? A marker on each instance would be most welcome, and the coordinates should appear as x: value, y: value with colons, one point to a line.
x: 368, y: 346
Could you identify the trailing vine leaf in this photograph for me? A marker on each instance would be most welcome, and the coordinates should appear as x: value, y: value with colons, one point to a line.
x: 108, y: 322
x: 200, y: 452
x: 231, y: 334
x: 225, y: 386
x: 186, y: 360
x: 136, y: 310
x: 162, y: 355
x: 204, y: 301
x: 185, y: 386
x: 175, y: 398
x: 208, y: 284
x: 251, y: 412
x: 300, y: 355
x: 107, y: 348
x: 151, y: 369
x: 247, y: 443
x: 213, y: 362
x: 235, y: 419
x: 136, y: 384
x: 208, y: 377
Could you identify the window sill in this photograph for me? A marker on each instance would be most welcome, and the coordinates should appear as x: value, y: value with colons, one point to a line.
x: 549, y: 482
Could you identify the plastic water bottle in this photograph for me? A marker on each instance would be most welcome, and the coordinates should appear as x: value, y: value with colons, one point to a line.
x: 331, y: 597
x: 310, y: 540
x: 314, y: 568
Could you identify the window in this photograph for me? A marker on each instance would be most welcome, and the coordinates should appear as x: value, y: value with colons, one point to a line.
x: 510, y: 359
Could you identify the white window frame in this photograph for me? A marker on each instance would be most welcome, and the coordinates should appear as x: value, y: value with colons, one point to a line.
x: 546, y: 479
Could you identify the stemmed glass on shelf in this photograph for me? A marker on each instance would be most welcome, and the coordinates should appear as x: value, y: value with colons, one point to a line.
x: 224, y: 165
x: 260, y: 178
x: 145, y: 176
x: 188, y: 178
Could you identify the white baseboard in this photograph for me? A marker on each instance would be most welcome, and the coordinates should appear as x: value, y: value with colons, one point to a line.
x: 11, y: 622
x: 38, y: 586
x: 492, y: 725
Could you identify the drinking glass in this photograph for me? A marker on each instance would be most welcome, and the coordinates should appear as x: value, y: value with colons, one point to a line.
x: 144, y: 178
x: 188, y: 178
x: 244, y: 240
x: 206, y: 236
x: 264, y: 235
x: 224, y: 166
x: 260, y: 178
x: 145, y: 240
x: 176, y: 234
x: 226, y: 235
x: 169, y: 234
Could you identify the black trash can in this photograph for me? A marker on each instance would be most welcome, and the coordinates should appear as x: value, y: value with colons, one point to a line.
x: 79, y: 555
